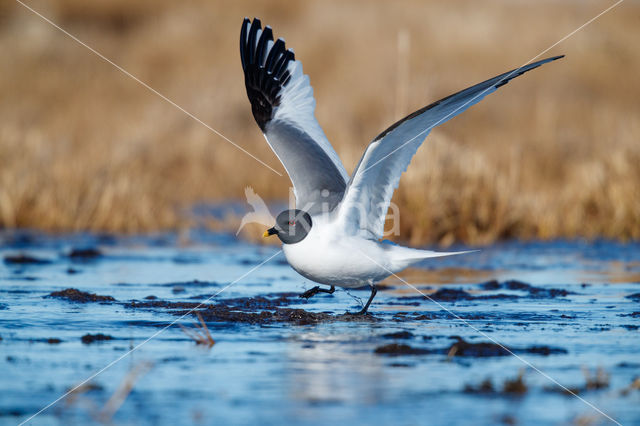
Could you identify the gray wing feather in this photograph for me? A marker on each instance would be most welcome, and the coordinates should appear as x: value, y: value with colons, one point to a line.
x: 366, y: 200
x: 283, y: 105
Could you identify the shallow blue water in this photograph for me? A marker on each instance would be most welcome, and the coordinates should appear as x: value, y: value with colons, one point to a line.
x: 278, y: 373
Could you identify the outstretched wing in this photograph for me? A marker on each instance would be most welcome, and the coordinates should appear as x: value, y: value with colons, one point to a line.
x: 376, y: 177
x: 283, y: 105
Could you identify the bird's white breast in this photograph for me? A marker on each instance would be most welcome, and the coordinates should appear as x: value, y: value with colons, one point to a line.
x: 327, y: 256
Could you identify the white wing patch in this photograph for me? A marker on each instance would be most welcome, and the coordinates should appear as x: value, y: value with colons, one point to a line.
x: 297, y: 108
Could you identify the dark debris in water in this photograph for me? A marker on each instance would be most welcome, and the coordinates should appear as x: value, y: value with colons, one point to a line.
x: 395, y: 349
x: 84, y: 253
x: 514, y: 387
x: 75, y: 295
x: 250, y: 310
x: 51, y: 341
x: 189, y: 284
x: 25, y: 259
x: 91, y: 338
x: 223, y: 313
x: 251, y: 304
x: 453, y: 295
x: 398, y: 335
x: 260, y: 302
x: 450, y: 295
x: 635, y: 297
x: 489, y: 349
x: 630, y: 327
x: 533, y: 292
x: 478, y: 350
x: 458, y: 295
x: 154, y: 303
x: 523, y: 318
x: 462, y: 348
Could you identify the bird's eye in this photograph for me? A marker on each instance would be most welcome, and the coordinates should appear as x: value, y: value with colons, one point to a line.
x: 292, y: 223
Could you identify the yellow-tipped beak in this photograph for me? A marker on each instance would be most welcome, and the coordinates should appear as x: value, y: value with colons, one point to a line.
x: 270, y: 231
x: 266, y: 234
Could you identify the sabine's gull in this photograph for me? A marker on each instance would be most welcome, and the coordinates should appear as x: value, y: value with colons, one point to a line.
x: 333, y: 235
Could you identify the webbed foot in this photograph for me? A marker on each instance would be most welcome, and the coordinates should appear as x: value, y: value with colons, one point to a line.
x: 315, y: 290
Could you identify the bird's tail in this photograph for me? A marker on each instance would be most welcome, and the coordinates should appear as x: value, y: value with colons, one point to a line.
x: 405, y: 256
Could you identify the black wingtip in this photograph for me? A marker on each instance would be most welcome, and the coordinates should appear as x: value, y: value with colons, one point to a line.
x: 550, y: 59
x: 495, y: 82
x: 523, y: 69
x: 265, y: 68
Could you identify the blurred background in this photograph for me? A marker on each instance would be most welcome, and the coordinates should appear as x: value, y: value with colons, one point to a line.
x: 553, y: 154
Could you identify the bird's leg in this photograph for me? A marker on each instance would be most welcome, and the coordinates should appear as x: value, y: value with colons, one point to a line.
x: 374, y: 290
x: 315, y: 290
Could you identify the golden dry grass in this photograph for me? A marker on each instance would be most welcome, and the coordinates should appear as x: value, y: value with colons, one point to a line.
x: 553, y: 154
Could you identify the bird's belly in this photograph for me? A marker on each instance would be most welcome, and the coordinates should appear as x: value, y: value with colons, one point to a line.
x: 334, y: 265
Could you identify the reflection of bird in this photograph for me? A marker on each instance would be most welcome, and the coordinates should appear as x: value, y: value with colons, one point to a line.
x: 333, y: 236
x: 260, y: 213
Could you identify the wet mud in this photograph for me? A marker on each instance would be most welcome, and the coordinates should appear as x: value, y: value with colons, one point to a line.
x: 251, y: 310
x: 522, y: 290
x: 75, y: 295
x: 92, y: 338
x: 25, y: 259
x: 462, y: 348
x: 84, y: 253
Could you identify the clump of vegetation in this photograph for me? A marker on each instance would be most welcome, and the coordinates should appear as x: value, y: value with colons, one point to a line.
x: 634, y: 385
x: 75, y: 295
x: 597, y: 380
x: 78, y: 395
x: 122, y: 391
x: 515, y: 386
x: 199, y: 333
x: 554, y: 154
x: 485, y: 387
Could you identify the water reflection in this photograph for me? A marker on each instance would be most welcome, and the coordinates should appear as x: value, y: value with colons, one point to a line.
x: 325, y: 368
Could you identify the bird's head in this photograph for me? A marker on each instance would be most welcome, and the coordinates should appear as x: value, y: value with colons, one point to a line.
x: 292, y: 226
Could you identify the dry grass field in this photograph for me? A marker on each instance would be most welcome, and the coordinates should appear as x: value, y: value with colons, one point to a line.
x: 556, y: 153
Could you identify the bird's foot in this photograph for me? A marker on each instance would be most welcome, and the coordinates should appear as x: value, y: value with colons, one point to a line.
x: 363, y: 311
x: 315, y: 290
x: 310, y: 293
